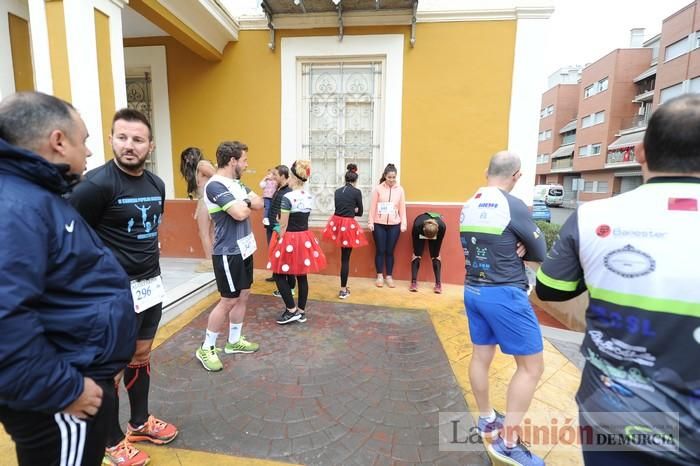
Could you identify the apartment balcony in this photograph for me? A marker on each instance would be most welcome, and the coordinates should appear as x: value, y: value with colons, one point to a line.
x: 635, y: 123
x: 564, y: 164
x: 621, y: 151
x: 623, y: 157
x: 644, y: 96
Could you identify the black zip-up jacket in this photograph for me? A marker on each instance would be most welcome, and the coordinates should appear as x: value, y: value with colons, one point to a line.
x: 346, y: 199
x: 273, y: 212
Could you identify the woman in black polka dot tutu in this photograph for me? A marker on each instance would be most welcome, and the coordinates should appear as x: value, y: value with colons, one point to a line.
x: 342, y: 228
x: 294, y: 250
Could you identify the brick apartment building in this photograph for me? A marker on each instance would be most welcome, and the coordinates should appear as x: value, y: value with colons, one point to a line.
x: 588, y: 130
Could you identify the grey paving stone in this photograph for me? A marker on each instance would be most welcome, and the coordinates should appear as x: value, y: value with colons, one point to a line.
x: 355, y: 385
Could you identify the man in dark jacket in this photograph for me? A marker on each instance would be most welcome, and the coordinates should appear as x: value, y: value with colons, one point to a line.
x: 63, y: 296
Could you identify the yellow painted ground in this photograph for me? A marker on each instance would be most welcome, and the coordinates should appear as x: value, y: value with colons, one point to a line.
x: 554, y: 397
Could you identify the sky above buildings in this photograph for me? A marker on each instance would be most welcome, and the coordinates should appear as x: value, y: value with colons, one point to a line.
x: 582, y: 31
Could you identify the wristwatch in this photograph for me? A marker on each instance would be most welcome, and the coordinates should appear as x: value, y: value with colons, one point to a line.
x: 248, y: 203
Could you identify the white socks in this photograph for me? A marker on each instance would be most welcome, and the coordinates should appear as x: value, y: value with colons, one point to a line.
x: 210, y: 339
x: 234, y: 332
x: 489, y: 417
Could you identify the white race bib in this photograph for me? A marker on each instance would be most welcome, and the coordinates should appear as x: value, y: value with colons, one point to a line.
x: 247, y: 245
x: 147, y: 293
x: 386, y: 208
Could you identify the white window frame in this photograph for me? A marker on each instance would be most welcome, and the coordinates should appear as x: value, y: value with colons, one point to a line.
x: 593, y: 119
x: 682, y: 47
x: 588, y: 150
x: 694, y: 85
x: 598, y: 186
x: 542, y: 159
x: 592, y: 185
x: 596, y: 88
x: 674, y: 91
x: 546, y: 111
x: 389, y: 47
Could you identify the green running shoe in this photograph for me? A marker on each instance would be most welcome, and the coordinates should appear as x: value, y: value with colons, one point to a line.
x: 209, y: 359
x: 241, y: 346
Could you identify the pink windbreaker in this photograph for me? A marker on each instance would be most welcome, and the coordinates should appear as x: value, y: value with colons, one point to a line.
x: 394, y: 195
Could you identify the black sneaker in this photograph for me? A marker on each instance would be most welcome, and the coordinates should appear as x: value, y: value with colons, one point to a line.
x: 276, y: 294
x: 288, y: 317
x: 343, y: 294
x: 302, y: 317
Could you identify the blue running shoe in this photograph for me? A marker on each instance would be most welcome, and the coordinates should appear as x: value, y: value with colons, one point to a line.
x: 519, y: 455
x: 490, y: 429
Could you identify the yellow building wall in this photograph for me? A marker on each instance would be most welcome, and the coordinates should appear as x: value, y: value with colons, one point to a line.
x: 58, y: 49
x: 104, y: 73
x: 456, y: 99
x: 21, y: 53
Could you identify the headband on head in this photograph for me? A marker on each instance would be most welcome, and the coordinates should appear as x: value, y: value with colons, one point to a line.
x: 294, y: 172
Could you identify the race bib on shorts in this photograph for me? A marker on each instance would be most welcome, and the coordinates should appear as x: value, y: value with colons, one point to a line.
x: 147, y: 293
x: 247, y: 246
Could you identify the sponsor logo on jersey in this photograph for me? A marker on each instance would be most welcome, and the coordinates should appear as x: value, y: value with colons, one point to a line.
x: 603, y: 231
x: 629, y: 322
x: 679, y: 203
x: 629, y: 262
x: 622, y: 351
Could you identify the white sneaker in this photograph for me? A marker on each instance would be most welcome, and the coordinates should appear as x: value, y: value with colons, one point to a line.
x: 266, y: 221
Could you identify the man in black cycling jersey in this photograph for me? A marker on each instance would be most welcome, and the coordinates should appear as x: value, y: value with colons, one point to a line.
x: 643, y: 320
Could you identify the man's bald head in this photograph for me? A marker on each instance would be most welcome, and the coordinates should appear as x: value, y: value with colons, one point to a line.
x: 503, y: 164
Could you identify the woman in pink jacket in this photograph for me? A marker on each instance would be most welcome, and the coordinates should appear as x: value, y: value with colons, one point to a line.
x: 387, y: 218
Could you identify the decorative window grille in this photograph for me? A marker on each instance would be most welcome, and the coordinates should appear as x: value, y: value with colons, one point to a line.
x: 139, y: 97
x: 341, y: 123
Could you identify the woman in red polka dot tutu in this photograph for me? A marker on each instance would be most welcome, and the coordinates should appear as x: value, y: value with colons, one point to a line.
x: 294, y: 250
x: 342, y: 228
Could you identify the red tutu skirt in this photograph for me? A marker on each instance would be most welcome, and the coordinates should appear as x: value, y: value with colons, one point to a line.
x: 345, y: 232
x: 297, y: 253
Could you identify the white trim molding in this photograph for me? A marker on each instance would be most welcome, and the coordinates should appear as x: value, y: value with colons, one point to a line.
x: 390, y: 47
x: 207, y: 19
x: 488, y: 14
x: 154, y: 59
x: 428, y: 12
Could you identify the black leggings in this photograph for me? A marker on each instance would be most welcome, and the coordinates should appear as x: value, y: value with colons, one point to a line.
x: 283, y: 285
x: 385, y: 238
x: 344, y: 266
x: 434, y: 246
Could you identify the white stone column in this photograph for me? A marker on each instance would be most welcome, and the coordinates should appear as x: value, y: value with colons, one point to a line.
x: 528, y: 77
x: 79, y: 17
x: 41, y: 58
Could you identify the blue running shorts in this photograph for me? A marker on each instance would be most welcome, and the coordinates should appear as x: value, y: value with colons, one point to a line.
x: 502, y: 315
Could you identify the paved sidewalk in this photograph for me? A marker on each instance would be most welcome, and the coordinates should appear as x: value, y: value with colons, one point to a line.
x: 360, y: 383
